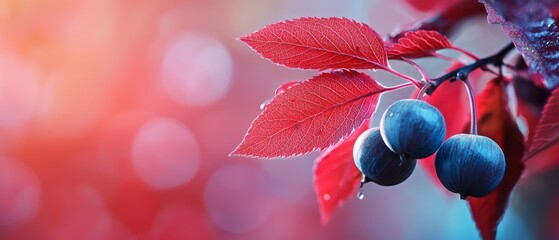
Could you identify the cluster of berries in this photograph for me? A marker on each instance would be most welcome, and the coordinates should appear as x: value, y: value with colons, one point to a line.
x: 467, y: 164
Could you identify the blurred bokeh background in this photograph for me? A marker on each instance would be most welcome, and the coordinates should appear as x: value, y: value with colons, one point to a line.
x: 117, y: 118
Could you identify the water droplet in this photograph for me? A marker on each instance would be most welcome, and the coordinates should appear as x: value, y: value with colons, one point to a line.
x: 285, y: 86
x: 364, y: 179
x: 326, y: 197
x: 264, y: 104
x: 390, y: 114
x: 360, y: 195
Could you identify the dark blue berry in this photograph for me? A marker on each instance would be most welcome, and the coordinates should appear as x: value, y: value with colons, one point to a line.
x: 413, y: 128
x: 377, y: 162
x: 470, y: 165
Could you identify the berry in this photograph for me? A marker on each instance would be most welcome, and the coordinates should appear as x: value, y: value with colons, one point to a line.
x: 377, y: 162
x: 470, y: 165
x: 412, y: 128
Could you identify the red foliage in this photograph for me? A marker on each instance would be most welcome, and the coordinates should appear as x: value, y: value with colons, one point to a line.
x: 336, y: 177
x: 320, y: 43
x: 315, y: 114
x: 547, y: 130
x: 418, y: 44
x: 311, y: 115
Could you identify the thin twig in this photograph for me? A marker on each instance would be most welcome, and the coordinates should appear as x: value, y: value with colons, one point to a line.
x: 496, y: 59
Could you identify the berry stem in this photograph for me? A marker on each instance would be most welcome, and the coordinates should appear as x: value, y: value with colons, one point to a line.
x: 422, y: 91
x: 473, y: 121
x: 496, y: 59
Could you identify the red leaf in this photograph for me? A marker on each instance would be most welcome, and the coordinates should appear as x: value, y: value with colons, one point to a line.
x: 336, y: 177
x: 531, y: 26
x: 547, y: 130
x: 311, y: 115
x: 495, y: 121
x: 320, y: 43
x: 418, y: 44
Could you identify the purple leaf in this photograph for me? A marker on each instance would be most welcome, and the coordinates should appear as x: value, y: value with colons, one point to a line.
x: 534, y: 31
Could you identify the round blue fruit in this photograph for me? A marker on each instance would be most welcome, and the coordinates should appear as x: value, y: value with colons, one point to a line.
x: 378, y: 163
x: 413, y: 128
x: 470, y: 165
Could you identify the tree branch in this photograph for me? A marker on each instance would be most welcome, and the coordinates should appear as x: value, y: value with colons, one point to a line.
x: 496, y: 60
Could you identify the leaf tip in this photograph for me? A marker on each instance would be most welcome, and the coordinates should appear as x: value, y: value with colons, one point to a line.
x: 244, y: 39
x: 238, y: 151
x: 241, y: 151
x: 325, y: 215
x: 233, y: 154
